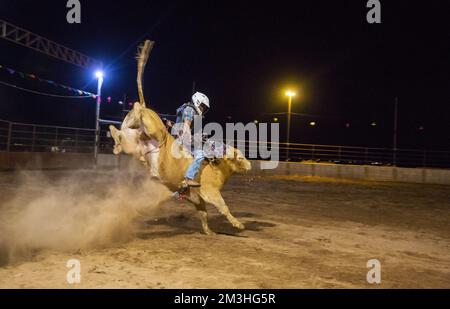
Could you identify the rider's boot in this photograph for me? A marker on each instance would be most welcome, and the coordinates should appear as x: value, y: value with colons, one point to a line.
x: 191, y: 183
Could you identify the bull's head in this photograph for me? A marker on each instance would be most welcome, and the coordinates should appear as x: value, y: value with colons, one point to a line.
x: 115, y: 134
x: 125, y: 140
x: 237, y: 161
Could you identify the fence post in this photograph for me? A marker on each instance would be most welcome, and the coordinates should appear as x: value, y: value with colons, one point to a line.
x: 366, y: 156
x: 95, y: 142
x: 76, y: 141
x: 8, y: 145
x: 312, y: 152
x: 34, y: 139
x: 56, y: 140
x: 424, y: 158
x: 394, y: 157
x: 340, y: 154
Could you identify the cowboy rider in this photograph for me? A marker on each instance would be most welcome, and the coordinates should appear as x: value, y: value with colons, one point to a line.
x: 187, y: 114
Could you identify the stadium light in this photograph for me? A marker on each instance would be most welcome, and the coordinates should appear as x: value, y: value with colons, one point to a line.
x: 99, y: 74
x: 290, y: 94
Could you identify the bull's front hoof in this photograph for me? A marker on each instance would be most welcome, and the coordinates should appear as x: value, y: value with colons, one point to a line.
x: 209, y: 232
x: 239, y: 225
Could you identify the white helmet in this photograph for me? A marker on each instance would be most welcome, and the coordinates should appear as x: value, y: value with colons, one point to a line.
x: 199, y: 99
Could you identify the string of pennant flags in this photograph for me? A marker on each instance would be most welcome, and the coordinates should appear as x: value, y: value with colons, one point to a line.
x: 50, y: 82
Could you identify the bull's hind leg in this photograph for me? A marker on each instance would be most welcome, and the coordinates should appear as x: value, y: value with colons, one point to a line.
x: 217, y: 201
x: 201, y: 209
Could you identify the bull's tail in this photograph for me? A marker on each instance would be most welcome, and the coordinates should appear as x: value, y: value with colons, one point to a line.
x: 142, y: 58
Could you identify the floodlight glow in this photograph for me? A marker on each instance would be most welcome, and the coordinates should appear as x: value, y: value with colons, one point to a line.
x: 290, y: 93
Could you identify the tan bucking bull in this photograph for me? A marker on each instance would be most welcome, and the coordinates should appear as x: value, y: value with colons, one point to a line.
x: 144, y: 135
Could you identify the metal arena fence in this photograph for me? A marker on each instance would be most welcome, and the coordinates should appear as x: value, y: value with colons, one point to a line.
x: 20, y: 137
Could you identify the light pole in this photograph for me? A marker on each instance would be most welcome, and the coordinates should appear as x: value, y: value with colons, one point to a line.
x: 395, y: 131
x: 289, y: 94
x: 99, y: 75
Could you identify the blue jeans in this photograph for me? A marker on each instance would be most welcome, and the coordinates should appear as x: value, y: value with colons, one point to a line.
x: 195, y: 166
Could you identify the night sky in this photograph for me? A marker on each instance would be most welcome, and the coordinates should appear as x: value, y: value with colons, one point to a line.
x: 244, y: 55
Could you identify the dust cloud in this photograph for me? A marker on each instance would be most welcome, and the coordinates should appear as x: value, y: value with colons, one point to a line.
x: 80, y: 210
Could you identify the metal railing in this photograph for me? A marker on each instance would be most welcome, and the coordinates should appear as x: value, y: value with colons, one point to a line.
x: 356, y: 155
x: 20, y: 137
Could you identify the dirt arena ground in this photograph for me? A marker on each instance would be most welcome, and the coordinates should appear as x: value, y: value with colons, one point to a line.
x: 301, y: 233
